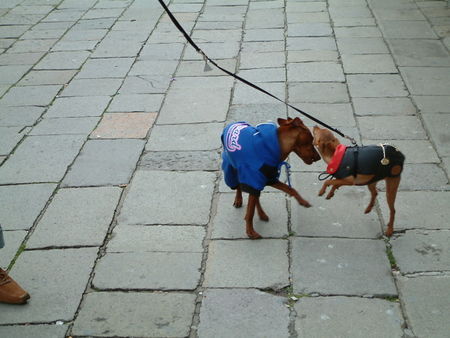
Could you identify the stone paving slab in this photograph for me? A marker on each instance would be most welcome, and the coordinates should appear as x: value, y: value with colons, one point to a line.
x: 420, y: 251
x: 391, y: 127
x: 416, y: 52
x: 47, y: 77
x: 36, y: 331
x: 362, y: 46
x: 432, y: 104
x: 427, y: 80
x: 370, y: 63
x: 229, y: 222
x: 415, y: 151
x: 341, y: 267
x: 409, y: 216
x: 145, y: 84
x: 78, y: 106
x: 256, y: 113
x: 342, y: 216
x: 423, y: 176
x: 65, y: 126
x: 438, y: 126
x: 190, y: 106
x: 310, y: 43
x: 13, y: 216
x: 244, y: 94
x: 348, y: 317
x: 135, y: 103
x: 30, y: 95
x: 104, y: 162
x: 204, y: 136
x: 56, y: 287
x: 148, y: 270
x: 196, y: 68
x: 13, y: 241
x: 63, y: 225
x: 142, y: 314
x: 156, y: 238
x: 153, y: 195
x: 315, y: 72
x: 12, y: 74
x: 378, y: 85
x: 92, y: 87
x: 425, y: 306
x: 63, y: 60
x: 9, y: 138
x: 41, y: 159
x: 242, y: 313
x: 124, y: 125
x: 407, y: 29
x: 104, y: 68
x: 180, y: 160
x: 383, y: 106
x: 243, y: 264
x: 331, y: 92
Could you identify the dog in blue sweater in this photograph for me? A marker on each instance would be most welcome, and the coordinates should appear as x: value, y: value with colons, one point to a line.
x: 253, y: 156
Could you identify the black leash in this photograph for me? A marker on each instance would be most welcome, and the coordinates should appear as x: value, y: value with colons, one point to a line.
x: 206, y: 58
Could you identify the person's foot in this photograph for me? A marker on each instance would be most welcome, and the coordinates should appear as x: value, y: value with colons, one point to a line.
x: 10, y: 291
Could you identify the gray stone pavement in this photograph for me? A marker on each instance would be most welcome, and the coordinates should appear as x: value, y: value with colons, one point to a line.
x: 114, y: 211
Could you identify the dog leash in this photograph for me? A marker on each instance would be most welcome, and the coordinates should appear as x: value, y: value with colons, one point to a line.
x: 207, y: 59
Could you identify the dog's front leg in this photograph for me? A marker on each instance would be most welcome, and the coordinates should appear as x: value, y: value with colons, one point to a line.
x: 291, y: 192
x: 251, y: 205
x: 238, y: 198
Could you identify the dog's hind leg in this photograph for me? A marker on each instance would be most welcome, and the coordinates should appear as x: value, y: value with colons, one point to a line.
x: 392, y: 184
x: 238, y: 198
x: 373, y: 195
x: 251, y: 233
x: 262, y: 215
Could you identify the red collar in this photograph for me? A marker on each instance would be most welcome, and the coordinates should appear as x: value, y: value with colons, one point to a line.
x: 336, y: 159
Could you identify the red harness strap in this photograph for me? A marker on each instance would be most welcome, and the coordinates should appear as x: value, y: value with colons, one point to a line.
x: 335, y: 162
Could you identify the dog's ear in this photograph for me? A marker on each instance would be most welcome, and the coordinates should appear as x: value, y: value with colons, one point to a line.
x: 282, y: 122
x: 297, y: 122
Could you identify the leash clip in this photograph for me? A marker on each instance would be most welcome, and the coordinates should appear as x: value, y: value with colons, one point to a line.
x: 287, y: 166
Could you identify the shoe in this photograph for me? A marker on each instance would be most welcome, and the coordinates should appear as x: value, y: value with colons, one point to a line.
x: 10, y: 291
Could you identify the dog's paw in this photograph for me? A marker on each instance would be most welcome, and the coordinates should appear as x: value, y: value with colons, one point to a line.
x: 304, y: 203
x: 237, y: 203
x: 253, y: 235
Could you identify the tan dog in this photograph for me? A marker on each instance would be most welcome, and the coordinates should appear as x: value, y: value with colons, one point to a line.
x: 252, y: 157
x: 361, y: 166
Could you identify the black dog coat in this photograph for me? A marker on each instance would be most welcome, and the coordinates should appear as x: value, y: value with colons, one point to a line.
x: 365, y: 160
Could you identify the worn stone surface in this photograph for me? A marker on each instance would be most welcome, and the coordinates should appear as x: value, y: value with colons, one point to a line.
x: 30, y: 95
x: 65, y: 126
x: 9, y: 138
x: 348, y: 317
x: 225, y: 313
x: 190, y: 106
x: 371, y: 64
x: 341, y: 267
x: 142, y: 314
x: 362, y: 46
x: 229, y: 221
x: 63, y: 225
x: 56, y: 286
x: 422, y: 251
x: 92, y: 87
x: 315, y: 71
x: 141, y: 238
x: 378, y: 85
x: 409, y: 216
x: 37, y: 331
x: 318, y: 92
x: 427, y: 80
x: 41, y: 159
x: 148, y: 270
x: 104, y: 162
x: 153, y: 194
x: 78, y: 106
x: 13, y: 240
x: 425, y: 304
x: 124, y: 125
x: 14, y: 215
x: 243, y: 263
x: 418, y: 52
x: 205, y: 136
x: 383, y: 106
x: 341, y: 216
x: 180, y: 160
x: 391, y: 127
x: 438, y: 125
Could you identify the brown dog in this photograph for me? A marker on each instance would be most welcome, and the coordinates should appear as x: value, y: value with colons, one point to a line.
x: 361, y: 166
x: 252, y: 158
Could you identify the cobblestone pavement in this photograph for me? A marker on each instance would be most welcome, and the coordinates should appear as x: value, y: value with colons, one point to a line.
x: 117, y: 220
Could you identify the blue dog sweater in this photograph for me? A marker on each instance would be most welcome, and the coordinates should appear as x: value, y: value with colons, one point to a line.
x: 251, y: 156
